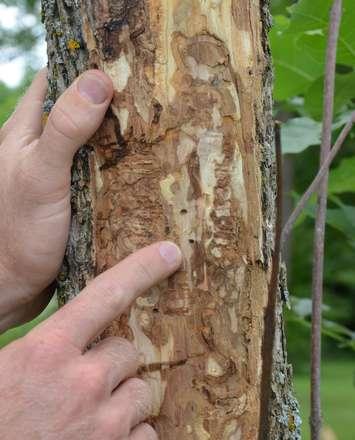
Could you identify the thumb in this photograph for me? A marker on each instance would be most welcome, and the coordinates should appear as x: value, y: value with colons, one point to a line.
x: 75, y: 117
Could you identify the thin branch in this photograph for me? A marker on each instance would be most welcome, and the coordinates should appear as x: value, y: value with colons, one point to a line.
x: 269, y: 316
x: 318, y: 256
x: 317, y: 180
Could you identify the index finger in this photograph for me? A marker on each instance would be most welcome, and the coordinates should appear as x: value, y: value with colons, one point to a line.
x: 106, y: 297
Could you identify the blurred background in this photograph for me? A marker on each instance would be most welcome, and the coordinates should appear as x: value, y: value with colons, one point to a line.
x: 298, y: 42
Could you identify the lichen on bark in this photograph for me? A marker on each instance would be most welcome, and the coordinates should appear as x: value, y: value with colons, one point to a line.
x: 66, y: 60
x: 185, y: 153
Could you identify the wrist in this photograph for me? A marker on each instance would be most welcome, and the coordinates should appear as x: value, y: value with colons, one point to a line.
x: 12, y: 292
x: 8, y: 286
x: 19, y: 301
x: 15, y: 288
x: 6, y: 312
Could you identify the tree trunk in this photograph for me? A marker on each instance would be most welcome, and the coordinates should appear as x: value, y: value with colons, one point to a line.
x: 185, y: 154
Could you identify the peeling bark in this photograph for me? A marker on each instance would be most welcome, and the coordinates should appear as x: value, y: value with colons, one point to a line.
x: 185, y: 154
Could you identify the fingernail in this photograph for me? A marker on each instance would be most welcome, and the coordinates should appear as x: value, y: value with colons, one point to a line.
x: 92, y: 88
x: 170, y: 253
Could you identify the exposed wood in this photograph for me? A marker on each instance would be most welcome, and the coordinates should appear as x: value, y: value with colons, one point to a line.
x: 186, y: 154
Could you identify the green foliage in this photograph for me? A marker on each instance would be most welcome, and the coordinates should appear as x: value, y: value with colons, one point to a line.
x: 300, y: 133
x: 298, y: 42
x: 345, y: 93
x: 301, y: 312
x: 28, y: 6
x: 21, y: 39
x: 295, y: 69
x: 343, y: 219
x: 8, y: 99
x: 339, y: 276
x: 280, y: 6
x: 19, y: 332
x: 310, y: 22
x: 17, y: 41
x: 9, y: 96
x: 342, y: 178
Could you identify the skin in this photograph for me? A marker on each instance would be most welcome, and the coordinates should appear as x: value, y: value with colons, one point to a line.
x: 51, y: 386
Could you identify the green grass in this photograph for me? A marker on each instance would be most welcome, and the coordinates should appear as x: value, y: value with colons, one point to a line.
x: 18, y: 332
x: 338, y: 398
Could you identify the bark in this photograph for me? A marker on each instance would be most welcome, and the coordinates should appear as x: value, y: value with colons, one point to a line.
x: 185, y: 154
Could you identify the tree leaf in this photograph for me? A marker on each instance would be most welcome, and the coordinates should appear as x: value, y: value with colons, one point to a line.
x: 300, y: 133
x: 342, y: 218
x: 307, y: 15
x: 299, y: 45
x: 303, y: 306
x: 342, y: 178
x: 344, y: 93
x: 295, y: 70
x: 311, y: 17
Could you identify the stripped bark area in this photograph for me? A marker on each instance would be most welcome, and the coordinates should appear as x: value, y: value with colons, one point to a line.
x: 184, y: 154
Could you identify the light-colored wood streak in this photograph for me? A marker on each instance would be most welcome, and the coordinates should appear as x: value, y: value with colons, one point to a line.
x: 187, y: 100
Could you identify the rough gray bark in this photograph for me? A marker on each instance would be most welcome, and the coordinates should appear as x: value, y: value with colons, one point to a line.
x: 224, y: 401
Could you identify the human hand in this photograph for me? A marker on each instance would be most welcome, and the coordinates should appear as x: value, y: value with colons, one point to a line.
x: 51, y: 388
x: 35, y: 189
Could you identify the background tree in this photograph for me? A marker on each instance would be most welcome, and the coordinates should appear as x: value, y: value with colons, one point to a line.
x: 303, y: 30
x: 299, y: 102
x: 21, y: 39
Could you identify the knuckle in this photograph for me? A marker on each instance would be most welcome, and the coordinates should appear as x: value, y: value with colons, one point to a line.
x: 110, y: 427
x: 43, y: 349
x: 149, y: 432
x: 90, y: 378
x: 63, y: 124
x: 118, y: 355
x: 118, y: 347
x: 122, y: 345
x: 142, y: 397
x: 143, y: 270
x: 138, y: 387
